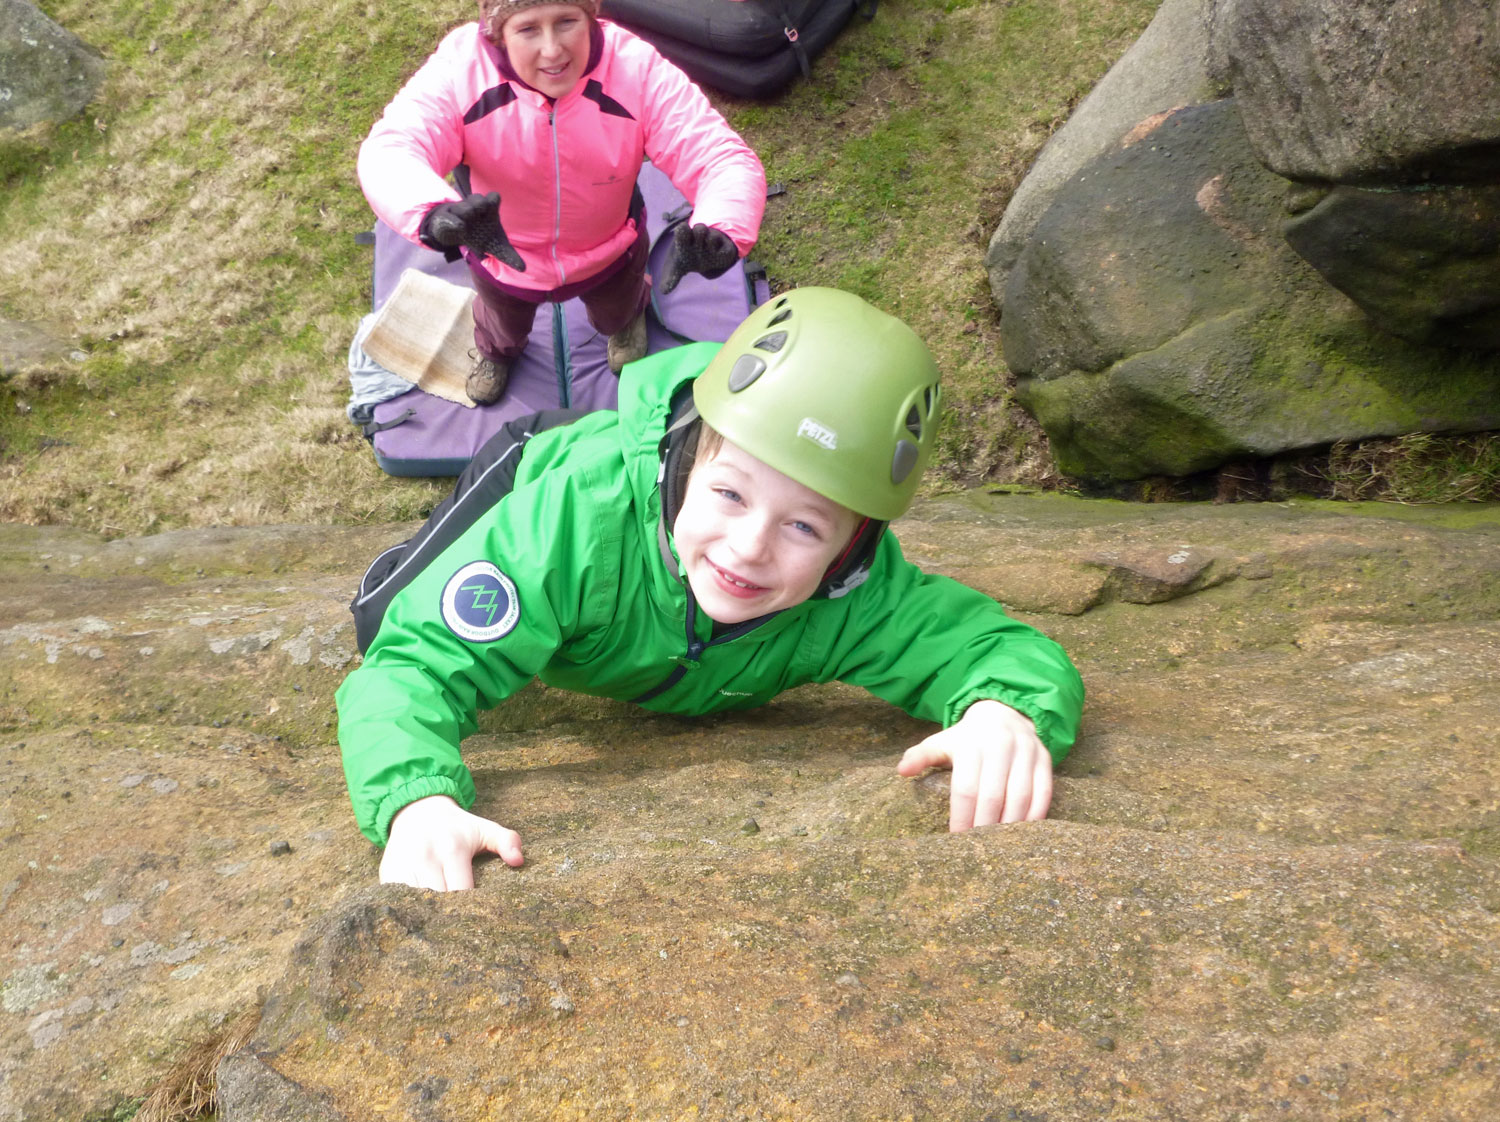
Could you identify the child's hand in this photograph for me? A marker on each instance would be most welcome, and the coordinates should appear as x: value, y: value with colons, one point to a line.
x: 433, y: 842
x: 1001, y: 770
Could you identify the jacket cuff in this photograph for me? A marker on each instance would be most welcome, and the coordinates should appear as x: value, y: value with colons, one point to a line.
x: 450, y: 253
x: 427, y: 786
x: 1047, y: 723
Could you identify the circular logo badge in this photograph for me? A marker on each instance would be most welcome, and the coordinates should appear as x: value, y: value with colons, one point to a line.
x: 479, y: 603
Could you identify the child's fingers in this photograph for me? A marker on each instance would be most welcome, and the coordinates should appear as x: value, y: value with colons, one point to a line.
x: 394, y: 870
x: 1004, y: 782
x: 1015, y: 785
x: 457, y: 872
x: 964, y: 791
x: 1020, y: 790
x: 503, y: 842
x: 1041, y: 788
x: 919, y: 757
x: 417, y: 874
x: 997, y: 789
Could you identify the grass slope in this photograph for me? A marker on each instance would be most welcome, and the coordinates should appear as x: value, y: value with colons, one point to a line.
x: 193, y: 232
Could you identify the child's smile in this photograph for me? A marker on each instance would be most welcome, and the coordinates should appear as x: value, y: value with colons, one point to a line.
x: 752, y: 540
x: 734, y: 585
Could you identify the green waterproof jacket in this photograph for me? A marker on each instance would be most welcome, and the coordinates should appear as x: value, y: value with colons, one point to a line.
x: 565, y: 579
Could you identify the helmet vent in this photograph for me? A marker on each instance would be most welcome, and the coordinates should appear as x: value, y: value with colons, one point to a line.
x: 746, y: 369
x: 781, y: 316
x: 914, y: 423
x: 929, y: 395
x: 772, y: 342
x: 903, y: 461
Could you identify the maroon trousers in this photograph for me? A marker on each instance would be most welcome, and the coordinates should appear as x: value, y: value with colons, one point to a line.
x: 612, y: 297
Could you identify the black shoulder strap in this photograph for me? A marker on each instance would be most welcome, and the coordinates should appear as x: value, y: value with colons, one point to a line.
x: 488, y: 478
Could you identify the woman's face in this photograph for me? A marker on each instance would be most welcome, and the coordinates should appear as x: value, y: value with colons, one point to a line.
x: 548, y: 46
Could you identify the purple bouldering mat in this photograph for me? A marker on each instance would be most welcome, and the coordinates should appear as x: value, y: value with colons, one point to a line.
x: 564, y: 364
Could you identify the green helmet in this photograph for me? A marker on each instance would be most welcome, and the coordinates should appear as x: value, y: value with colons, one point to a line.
x: 830, y: 391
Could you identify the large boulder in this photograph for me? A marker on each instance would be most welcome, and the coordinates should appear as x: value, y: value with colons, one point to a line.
x: 1361, y: 91
x: 46, y: 72
x: 1155, y: 310
x: 1158, y: 322
x: 1165, y: 68
x: 1399, y: 104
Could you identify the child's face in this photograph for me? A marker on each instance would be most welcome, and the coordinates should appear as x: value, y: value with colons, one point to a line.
x: 753, y: 540
x: 548, y: 46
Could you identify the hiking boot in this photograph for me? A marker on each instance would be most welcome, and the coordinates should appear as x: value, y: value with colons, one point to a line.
x: 627, y: 344
x: 487, y: 380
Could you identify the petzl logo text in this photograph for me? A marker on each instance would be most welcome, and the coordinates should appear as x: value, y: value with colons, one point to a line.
x: 479, y: 603
x: 818, y: 433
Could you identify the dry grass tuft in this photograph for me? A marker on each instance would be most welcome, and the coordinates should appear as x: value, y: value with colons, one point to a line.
x: 189, y: 1091
x: 35, y: 379
x: 1417, y: 468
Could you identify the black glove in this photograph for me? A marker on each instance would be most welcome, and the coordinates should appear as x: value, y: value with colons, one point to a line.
x: 698, y: 249
x: 474, y: 222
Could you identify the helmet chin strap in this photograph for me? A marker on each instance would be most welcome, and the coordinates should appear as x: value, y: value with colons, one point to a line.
x: 852, y: 566
x: 671, y: 479
x: 848, y: 549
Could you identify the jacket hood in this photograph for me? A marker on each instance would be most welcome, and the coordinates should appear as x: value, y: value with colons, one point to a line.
x: 649, y: 390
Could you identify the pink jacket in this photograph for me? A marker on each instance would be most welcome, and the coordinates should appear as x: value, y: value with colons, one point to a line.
x: 565, y: 172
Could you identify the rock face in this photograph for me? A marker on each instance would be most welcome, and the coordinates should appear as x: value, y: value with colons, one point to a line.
x: 1268, y: 887
x: 1161, y: 315
x: 1365, y: 91
x: 1399, y: 103
x: 1423, y: 263
x: 165, y: 718
x: 1161, y: 324
x: 46, y: 73
x: 25, y: 345
x: 1167, y: 67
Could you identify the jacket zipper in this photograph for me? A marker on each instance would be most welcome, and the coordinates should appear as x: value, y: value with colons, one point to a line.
x: 696, y: 647
x: 562, y: 276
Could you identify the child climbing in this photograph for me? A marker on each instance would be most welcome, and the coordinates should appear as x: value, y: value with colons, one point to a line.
x: 544, y: 114
x: 720, y: 539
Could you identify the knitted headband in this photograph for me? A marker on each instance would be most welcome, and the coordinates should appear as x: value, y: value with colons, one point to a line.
x: 494, y: 13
